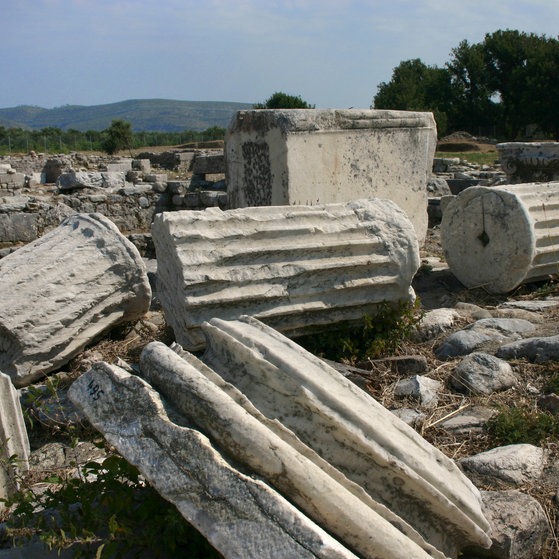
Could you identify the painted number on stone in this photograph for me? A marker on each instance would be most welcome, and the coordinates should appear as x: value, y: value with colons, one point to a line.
x: 94, y: 390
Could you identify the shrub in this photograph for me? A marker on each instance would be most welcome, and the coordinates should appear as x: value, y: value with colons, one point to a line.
x: 106, y: 512
x: 522, y: 426
x: 376, y: 336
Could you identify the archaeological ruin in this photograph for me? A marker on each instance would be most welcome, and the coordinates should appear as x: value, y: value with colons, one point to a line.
x: 167, y: 293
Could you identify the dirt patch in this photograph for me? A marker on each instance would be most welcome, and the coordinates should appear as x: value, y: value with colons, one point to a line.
x: 465, y: 142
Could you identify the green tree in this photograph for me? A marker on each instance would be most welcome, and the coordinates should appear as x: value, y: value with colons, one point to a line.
x: 280, y: 100
x: 117, y: 137
x: 523, y: 71
x: 414, y: 86
x: 472, y: 104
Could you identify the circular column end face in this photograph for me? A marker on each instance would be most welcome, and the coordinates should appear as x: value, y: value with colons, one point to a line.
x: 488, y: 239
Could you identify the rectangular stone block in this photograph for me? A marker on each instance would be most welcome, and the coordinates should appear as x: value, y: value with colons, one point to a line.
x: 209, y: 163
x: 120, y: 167
x: 306, y: 156
x: 14, y: 180
x: 18, y: 227
x: 143, y: 165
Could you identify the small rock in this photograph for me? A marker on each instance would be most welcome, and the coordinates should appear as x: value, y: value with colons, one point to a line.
x: 481, y: 373
x: 435, y: 322
x: 531, y: 305
x: 461, y: 343
x: 420, y: 388
x: 471, y: 420
x: 414, y: 418
x: 516, y: 464
x: 549, y: 402
x: 537, y: 350
x: 472, y: 311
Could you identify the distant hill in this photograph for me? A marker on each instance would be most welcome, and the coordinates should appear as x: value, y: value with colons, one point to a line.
x: 157, y: 115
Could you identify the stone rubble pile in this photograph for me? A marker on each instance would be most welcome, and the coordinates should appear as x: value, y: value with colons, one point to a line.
x: 127, y: 191
x: 265, y: 448
x: 289, y: 417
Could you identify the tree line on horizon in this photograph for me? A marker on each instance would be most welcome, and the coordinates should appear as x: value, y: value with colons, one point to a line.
x: 506, y: 86
x: 55, y: 140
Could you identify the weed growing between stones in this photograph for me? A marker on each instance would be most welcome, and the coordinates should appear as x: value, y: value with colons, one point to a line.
x: 522, y: 426
x: 376, y: 336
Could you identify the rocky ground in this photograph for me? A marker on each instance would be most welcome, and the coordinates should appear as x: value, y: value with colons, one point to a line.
x: 53, y: 428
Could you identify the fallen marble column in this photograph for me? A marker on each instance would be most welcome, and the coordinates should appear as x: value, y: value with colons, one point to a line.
x: 240, y: 515
x: 323, y: 156
x: 500, y: 237
x: 65, y: 289
x: 297, y: 268
x: 350, y: 431
x: 529, y: 161
x: 285, y: 416
x: 14, y: 443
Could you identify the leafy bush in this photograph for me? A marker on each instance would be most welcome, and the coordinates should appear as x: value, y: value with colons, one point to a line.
x: 106, y: 512
x: 376, y: 336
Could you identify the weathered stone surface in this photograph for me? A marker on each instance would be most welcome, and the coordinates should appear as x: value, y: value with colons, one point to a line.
x: 63, y: 290
x: 209, y: 163
x: 13, y: 438
x: 482, y: 333
x: 462, y: 342
x: 421, y: 388
x: 18, y: 227
x: 519, y: 526
x: 122, y: 166
x: 90, y: 179
x: 296, y: 268
x: 239, y: 514
x: 305, y: 156
x: 500, y: 237
x: 531, y: 305
x: 472, y: 420
x: 480, y: 373
x: 529, y: 161
x: 436, y: 322
x: 537, y: 350
x: 516, y: 463
x: 348, y: 429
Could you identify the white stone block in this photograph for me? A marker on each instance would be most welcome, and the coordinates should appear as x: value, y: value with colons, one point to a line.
x: 500, y: 237
x: 298, y: 268
x: 306, y: 156
x: 65, y: 289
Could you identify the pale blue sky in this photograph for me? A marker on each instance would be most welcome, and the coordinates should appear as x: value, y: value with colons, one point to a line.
x: 333, y: 53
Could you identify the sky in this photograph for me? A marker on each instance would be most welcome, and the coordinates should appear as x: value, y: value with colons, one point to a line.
x: 333, y: 53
